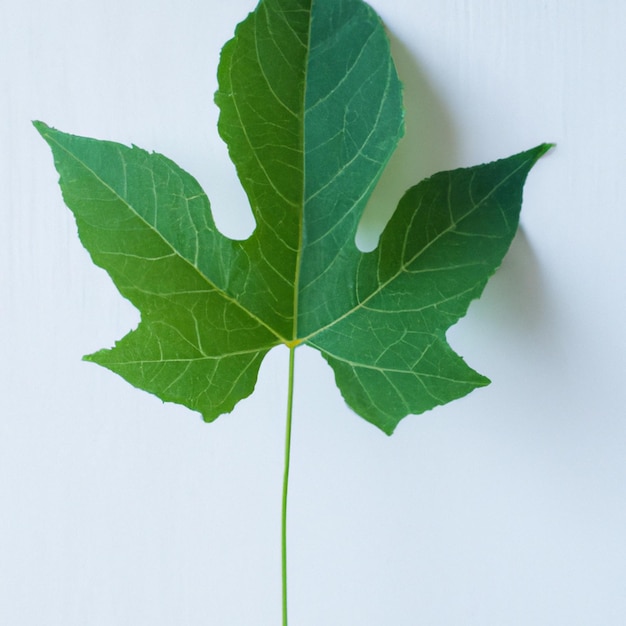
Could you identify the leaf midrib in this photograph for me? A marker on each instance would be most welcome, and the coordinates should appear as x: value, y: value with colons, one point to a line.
x: 296, y: 283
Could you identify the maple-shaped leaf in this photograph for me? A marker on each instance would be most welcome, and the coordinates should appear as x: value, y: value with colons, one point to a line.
x: 311, y: 110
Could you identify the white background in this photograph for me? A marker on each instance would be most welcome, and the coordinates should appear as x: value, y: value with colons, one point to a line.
x: 505, y: 508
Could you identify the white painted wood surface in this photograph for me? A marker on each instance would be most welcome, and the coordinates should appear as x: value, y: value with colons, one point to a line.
x: 505, y: 508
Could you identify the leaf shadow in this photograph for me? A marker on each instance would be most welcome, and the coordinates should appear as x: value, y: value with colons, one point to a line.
x: 428, y: 146
x: 517, y: 307
x: 517, y: 292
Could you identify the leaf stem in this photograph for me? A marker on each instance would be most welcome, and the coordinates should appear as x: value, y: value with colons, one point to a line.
x: 292, y: 350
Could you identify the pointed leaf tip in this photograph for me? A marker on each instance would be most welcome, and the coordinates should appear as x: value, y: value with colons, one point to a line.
x: 544, y: 148
x: 40, y: 126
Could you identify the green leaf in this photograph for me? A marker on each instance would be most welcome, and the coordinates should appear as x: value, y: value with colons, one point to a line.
x: 311, y: 111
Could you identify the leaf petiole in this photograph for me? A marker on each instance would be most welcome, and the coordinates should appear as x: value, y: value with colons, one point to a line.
x: 292, y: 350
